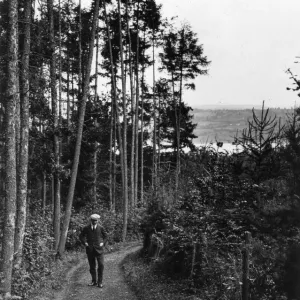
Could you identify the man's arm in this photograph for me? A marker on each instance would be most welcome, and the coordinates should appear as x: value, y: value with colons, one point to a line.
x: 104, y: 235
x: 82, y: 237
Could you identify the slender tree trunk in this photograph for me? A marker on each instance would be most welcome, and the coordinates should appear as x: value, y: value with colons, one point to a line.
x: 176, y: 137
x: 68, y: 95
x: 96, y: 99
x: 125, y: 186
x: 178, y: 164
x: 111, y: 147
x: 115, y: 98
x: 132, y: 110
x: 10, y: 151
x: 154, y: 167
x: 52, y: 193
x: 68, y: 82
x: 63, y: 237
x: 56, y: 218
x: 24, y: 137
x: 142, y: 149
x: 44, y: 193
x: 58, y: 183
x: 158, y: 136
x: 95, y: 172
x: 137, y: 110
x: 18, y: 117
x: 73, y: 89
x: 80, y: 77
x: 114, y: 162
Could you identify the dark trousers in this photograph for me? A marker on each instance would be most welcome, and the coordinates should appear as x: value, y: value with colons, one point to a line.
x: 93, y: 256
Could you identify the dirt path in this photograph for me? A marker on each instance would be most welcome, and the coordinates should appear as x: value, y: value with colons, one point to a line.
x: 114, y: 285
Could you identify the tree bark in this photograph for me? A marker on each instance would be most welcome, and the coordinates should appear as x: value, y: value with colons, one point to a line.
x: 44, y: 193
x: 64, y: 232
x: 125, y: 185
x: 24, y: 137
x: 154, y: 167
x: 114, y: 162
x: 10, y: 151
x: 176, y: 142
x: 80, y: 77
x: 132, y: 110
x: 96, y: 99
x: 68, y: 83
x: 111, y: 147
x: 56, y: 217
x: 137, y: 110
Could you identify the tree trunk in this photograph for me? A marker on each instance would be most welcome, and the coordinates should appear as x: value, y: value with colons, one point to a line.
x: 52, y: 194
x: 68, y: 96
x: 111, y: 147
x: 137, y: 111
x: 63, y: 237
x: 132, y: 110
x: 56, y: 217
x: 114, y: 163
x: 18, y: 116
x: 158, y: 139
x: 68, y: 84
x: 59, y: 155
x: 80, y: 77
x: 95, y: 101
x: 73, y: 89
x: 115, y: 98
x: 125, y: 184
x: 44, y: 193
x: 24, y: 137
x: 178, y: 162
x: 10, y: 151
x: 176, y: 137
x: 154, y: 167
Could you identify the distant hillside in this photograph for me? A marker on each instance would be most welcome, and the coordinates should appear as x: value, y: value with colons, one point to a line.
x: 232, y: 106
x: 223, y: 124
x: 228, y: 106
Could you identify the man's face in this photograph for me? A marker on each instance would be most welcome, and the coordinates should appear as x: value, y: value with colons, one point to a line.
x: 94, y: 222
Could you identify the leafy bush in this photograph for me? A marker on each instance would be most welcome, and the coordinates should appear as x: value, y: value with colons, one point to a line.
x: 38, y: 255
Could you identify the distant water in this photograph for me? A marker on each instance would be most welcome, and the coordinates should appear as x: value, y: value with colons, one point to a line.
x: 225, y: 147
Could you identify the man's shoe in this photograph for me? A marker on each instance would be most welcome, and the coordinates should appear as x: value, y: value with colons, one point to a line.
x: 100, y: 285
x: 93, y: 283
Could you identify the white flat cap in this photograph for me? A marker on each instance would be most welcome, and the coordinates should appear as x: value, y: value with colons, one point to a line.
x: 95, y: 217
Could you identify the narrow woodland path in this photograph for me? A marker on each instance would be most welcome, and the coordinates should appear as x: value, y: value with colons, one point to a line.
x: 114, y: 285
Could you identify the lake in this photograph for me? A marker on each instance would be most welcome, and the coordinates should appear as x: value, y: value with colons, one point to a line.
x: 226, y: 147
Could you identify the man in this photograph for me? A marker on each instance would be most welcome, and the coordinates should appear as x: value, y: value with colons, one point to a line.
x: 94, y: 237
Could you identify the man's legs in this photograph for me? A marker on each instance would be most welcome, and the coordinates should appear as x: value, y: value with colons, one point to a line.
x: 100, y: 259
x: 92, y: 263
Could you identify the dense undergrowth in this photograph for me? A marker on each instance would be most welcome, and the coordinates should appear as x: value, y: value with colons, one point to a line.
x: 199, y: 238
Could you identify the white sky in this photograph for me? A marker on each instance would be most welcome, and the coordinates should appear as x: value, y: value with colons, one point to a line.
x: 251, y: 43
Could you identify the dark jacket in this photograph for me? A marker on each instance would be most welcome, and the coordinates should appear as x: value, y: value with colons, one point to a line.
x: 93, y: 238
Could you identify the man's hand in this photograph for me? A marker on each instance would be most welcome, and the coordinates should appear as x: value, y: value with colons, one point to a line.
x: 101, y: 244
x: 86, y: 244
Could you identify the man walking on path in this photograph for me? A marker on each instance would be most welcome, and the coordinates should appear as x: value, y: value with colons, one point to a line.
x: 94, y: 237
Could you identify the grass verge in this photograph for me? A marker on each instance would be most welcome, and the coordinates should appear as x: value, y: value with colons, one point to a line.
x: 150, y: 284
x: 53, y: 282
